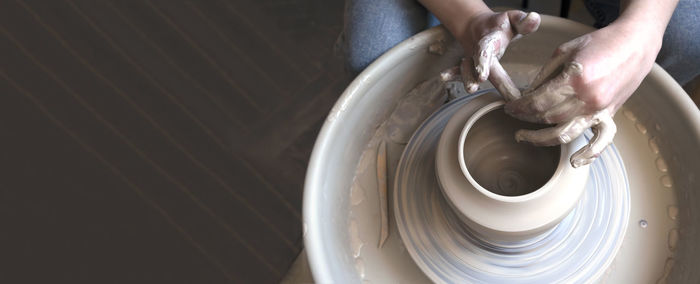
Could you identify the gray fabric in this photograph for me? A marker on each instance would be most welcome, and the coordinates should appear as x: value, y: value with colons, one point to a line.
x: 374, y: 26
x: 680, y: 52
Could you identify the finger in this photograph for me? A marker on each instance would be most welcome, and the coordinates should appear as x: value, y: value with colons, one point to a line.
x: 564, y: 111
x: 487, y: 50
x: 451, y: 74
x: 550, y: 69
x: 573, y: 44
x: 560, y: 134
x: 503, y: 83
x: 524, y: 23
x: 532, y: 105
x: 561, y: 55
x: 604, y: 132
x: 471, y: 84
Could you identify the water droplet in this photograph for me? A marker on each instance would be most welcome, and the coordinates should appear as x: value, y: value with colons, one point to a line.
x: 666, y: 181
x: 654, y: 145
x: 643, y: 223
x: 641, y: 128
x: 360, y: 267
x: 357, y: 194
x: 672, y: 239
x: 673, y: 212
x: 355, y: 240
x: 629, y: 115
x: 661, y: 165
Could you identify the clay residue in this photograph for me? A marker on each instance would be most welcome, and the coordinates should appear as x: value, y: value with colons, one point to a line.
x: 357, y: 194
x: 374, y: 171
x: 355, y: 240
x: 412, y: 110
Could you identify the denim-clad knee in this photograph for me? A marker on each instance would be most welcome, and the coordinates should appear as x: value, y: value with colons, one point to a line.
x: 680, y: 51
x: 374, y: 26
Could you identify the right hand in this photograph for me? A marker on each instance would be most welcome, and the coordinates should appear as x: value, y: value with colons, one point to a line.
x: 582, y: 86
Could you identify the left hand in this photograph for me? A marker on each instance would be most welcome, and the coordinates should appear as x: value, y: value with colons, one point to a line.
x: 484, y: 39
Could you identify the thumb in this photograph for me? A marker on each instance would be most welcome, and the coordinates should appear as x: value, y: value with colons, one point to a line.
x: 524, y: 23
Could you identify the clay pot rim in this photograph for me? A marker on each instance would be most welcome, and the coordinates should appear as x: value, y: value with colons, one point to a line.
x: 544, y: 189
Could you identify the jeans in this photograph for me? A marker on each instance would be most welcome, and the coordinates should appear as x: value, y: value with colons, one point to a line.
x: 680, y: 51
x: 374, y: 26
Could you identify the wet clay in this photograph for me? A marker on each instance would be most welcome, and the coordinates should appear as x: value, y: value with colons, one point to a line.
x: 496, y: 185
x: 520, y: 239
x: 500, y: 164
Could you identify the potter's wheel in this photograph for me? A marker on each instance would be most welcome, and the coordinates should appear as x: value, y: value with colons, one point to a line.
x: 657, y: 139
x: 581, y: 247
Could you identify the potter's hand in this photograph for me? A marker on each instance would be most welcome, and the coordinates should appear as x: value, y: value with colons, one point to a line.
x: 583, y: 85
x: 487, y: 38
x: 484, y: 36
x: 484, y: 40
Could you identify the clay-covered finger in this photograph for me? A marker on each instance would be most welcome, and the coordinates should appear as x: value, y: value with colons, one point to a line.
x: 451, y: 74
x: 564, y: 111
x: 560, y: 134
x: 503, y: 83
x: 604, y: 132
x: 524, y: 23
x: 573, y: 44
x: 558, y: 63
x: 471, y: 84
x: 487, y: 50
x: 549, y: 70
x: 533, y: 105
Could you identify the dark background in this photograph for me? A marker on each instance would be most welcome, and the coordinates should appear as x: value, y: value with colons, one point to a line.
x: 159, y: 141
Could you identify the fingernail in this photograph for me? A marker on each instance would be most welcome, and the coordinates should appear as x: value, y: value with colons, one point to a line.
x: 523, y: 16
x: 580, y: 162
x: 574, y: 68
x: 482, y: 73
x: 576, y: 163
x: 564, y: 138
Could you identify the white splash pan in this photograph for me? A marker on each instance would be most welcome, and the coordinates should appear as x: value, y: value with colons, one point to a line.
x: 659, y: 111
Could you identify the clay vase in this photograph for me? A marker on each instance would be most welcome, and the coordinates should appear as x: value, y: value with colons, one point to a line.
x: 505, y: 192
